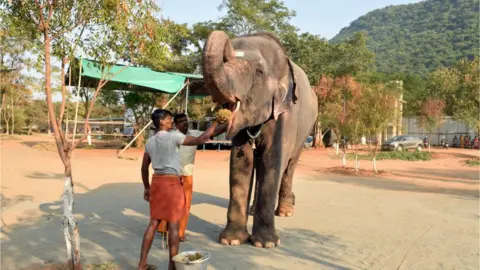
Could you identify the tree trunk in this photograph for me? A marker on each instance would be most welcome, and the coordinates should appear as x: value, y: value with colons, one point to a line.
x: 2, y: 113
x: 13, y: 116
x: 429, y: 142
x: 140, y: 140
x: 72, y: 243
x: 357, y: 163
x: 317, y: 128
x: 338, y: 147
x: 344, y: 159
x: 375, y: 164
x: 70, y: 227
x: 6, y: 123
x: 48, y: 122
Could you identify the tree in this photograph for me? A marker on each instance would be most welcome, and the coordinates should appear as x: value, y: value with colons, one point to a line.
x: 458, y: 87
x: 329, y: 98
x: 351, y: 57
x: 340, y: 61
x: 466, y: 106
x: 351, y: 124
x: 421, y: 37
x: 250, y: 16
x: 12, y: 47
x: 432, y: 115
x: 117, y: 29
x: 378, y: 110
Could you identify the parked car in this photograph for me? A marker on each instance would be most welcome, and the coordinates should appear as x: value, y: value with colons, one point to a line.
x: 403, y: 142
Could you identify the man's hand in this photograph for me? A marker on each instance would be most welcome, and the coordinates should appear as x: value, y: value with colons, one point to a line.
x: 190, y: 140
x: 146, y: 195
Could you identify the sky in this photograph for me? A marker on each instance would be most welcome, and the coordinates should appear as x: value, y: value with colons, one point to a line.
x: 320, y: 17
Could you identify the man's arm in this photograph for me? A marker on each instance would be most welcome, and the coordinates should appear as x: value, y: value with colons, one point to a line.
x: 220, y: 129
x: 145, y: 165
x: 190, y: 140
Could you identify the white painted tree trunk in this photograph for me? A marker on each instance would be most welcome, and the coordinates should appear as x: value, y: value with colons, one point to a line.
x: 344, y: 160
x: 357, y: 163
x: 375, y: 164
x: 70, y: 226
x: 89, y: 138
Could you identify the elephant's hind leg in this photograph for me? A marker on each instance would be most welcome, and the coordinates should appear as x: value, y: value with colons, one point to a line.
x: 241, y: 167
x: 286, y: 198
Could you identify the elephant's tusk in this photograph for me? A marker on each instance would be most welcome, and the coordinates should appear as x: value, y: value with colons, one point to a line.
x: 237, y: 107
x: 215, y: 105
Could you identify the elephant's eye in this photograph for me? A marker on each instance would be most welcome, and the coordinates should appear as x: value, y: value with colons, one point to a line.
x: 259, y: 71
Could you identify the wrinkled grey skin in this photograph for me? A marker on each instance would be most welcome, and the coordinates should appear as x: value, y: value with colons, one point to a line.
x: 262, y: 81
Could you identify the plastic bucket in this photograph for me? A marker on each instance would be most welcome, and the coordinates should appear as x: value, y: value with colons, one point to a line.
x: 181, y: 263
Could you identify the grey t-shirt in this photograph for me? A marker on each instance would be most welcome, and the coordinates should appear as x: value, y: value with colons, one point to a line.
x: 163, y: 149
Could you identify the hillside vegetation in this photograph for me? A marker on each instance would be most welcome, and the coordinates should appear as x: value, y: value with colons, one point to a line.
x: 420, y: 37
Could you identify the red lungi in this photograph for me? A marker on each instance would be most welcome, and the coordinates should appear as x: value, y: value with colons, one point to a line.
x: 188, y: 188
x: 167, y: 198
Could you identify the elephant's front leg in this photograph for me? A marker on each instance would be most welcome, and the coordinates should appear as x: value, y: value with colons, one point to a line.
x: 268, y: 176
x: 241, y: 166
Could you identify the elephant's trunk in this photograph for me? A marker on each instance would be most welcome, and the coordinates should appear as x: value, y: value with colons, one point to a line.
x: 223, y: 74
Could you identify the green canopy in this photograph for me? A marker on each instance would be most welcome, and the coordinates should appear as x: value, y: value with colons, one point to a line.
x: 138, y: 79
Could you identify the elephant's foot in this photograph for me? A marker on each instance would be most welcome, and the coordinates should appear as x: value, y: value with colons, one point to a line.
x: 234, y: 235
x: 265, y: 237
x: 285, y: 206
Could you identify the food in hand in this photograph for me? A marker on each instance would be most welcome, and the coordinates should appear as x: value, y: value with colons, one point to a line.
x: 223, y: 116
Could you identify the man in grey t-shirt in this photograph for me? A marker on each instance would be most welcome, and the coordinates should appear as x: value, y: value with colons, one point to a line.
x: 165, y: 194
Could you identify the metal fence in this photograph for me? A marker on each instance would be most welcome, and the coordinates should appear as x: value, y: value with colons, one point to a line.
x: 449, y: 128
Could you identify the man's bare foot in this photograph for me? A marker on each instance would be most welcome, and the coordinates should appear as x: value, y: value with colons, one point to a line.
x: 147, y: 267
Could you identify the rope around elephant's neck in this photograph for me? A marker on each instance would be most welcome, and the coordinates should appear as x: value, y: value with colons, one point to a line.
x: 253, y: 137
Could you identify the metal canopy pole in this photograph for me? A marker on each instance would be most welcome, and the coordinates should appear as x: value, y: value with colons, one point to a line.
x: 78, y: 99
x: 150, y: 122
x: 186, y: 97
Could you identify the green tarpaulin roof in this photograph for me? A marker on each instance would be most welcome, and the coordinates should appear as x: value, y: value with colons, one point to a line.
x: 139, y: 79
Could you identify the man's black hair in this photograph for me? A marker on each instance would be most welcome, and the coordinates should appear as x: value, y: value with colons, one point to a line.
x: 179, y: 116
x: 160, y: 114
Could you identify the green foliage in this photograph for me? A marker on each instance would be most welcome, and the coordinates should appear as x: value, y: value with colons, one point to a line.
x: 351, y: 57
x: 310, y: 52
x: 378, y: 107
x: 458, y: 86
x: 317, y: 57
x: 421, y: 37
x: 405, y: 155
x: 473, y: 162
x: 432, y: 114
x: 250, y: 16
x: 394, y: 155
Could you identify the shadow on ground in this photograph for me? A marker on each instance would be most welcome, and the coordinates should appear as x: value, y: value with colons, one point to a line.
x: 387, y: 184
x: 112, y: 220
x: 456, y: 176
x: 107, y: 144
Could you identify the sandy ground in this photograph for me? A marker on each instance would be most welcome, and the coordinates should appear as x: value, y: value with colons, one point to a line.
x: 419, y: 215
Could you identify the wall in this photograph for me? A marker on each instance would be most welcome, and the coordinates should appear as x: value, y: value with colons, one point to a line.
x: 449, y: 128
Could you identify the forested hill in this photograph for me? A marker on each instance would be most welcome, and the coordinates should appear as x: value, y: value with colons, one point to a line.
x: 420, y: 37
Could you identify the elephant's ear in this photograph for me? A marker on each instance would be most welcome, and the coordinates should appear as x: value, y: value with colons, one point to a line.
x: 285, y: 96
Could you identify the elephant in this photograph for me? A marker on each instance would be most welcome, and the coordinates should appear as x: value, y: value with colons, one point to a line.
x: 273, y: 111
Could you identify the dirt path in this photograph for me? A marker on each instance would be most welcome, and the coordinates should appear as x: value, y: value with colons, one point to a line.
x: 340, y: 222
